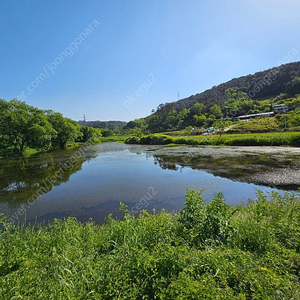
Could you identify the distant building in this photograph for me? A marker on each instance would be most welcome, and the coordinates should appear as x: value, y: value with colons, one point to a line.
x: 279, y: 109
x: 258, y: 115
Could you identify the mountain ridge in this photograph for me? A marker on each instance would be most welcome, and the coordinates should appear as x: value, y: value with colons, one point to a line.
x: 246, y: 94
x: 241, y: 82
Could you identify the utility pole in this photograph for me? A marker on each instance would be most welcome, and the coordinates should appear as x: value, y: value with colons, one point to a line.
x: 178, y: 96
x: 285, y: 120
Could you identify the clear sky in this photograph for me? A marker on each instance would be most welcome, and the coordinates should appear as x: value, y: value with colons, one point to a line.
x: 90, y: 57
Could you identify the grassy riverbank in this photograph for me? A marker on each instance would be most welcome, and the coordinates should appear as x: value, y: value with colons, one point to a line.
x: 205, y: 252
x: 114, y: 138
x: 253, y: 139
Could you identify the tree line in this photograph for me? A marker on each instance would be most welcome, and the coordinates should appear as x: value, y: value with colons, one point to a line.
x: 23, y: 126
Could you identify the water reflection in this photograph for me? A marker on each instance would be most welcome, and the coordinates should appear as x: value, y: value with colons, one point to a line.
x: 111, y: 173
x: 267, y: 167
x: 24, y: 178
x: 165, y: 164
x: 250, y: 169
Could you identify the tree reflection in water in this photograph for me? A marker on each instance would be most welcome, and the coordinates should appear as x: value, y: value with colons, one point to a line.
x: 21, y: 178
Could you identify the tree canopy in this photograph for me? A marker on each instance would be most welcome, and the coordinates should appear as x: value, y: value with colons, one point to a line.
x: 23, y: 126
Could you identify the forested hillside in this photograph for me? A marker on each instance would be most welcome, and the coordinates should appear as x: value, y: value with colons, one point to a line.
x: 261, y: 85
x: 248, y: 94
x: 111, y: 125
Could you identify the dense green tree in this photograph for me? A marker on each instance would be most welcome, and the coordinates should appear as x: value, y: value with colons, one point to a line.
x: 130, y: 125
x: 199, y: 120
x: 106, y: 132
x: 23, y: 126
x: 67, y: 130
x: 293, y: 87
x: 40, y: 132
x: 111, y: 125
x: 88, y: 134
x: 197, y: 109
x: 216, y: 111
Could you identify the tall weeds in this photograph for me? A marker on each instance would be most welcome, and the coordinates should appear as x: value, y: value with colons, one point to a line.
x: 206, y: 251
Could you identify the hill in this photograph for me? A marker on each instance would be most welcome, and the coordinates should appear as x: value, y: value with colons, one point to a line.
x: 247, y: 94
x: 261, y: 85
x: 111, y: 125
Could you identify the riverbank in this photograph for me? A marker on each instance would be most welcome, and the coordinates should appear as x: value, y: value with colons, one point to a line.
x: 255, y: 139
x: 30, y: 151
x: 114, y: 138
x: 209, y: 251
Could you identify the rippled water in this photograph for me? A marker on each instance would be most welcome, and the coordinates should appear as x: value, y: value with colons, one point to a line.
x: 91, y: 185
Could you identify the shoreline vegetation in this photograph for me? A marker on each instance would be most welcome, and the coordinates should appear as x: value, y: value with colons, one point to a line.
x: 290, y: 139
x: 206, y: 251
x: 253, y: 139
x: 26, y: 129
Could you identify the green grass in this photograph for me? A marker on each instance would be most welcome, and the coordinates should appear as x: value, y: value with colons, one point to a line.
x: 207, y: 251
x: 251, y: 139
x: 30, y: 151
x: 114, y: 138
x: 266, y: 124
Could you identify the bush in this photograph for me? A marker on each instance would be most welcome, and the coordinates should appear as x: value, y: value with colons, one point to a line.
x: 132, y: 140
x: 156, y: 139
x: 202, y: 224
x: 179, y: 141
x: 266, y: 223
x: 295, y: 140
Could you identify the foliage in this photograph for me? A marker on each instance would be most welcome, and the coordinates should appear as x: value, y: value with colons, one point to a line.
x: 25, y: 127
x: 106, y: 132
x: 205, y: 224
x: 293, y: 87
x: 221, y: 125
x: 215, y: 110
x: 257, y: 125
x: 114, y: 138
x: 207, y: 251
x: 67, y: 129
x: 110, y: 125
x: 155, y: 139
x: 289, y: 120
x: 132, y: 140
x: 263, y: 139
x: 240, y: 96
x: 88, y: 134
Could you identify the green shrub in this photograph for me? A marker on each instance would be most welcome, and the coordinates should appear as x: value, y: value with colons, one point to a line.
x: 179, y: 141
x: 156, y: 139
x: 202, y: 223
x: 266, y: 223
x: 132, y: 140
x: 295, y: 140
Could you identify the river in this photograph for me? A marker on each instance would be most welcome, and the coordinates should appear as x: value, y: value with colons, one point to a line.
x: 91, y: 185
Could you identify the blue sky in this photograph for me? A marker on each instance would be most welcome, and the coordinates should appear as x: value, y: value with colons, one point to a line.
x: 136, y: 54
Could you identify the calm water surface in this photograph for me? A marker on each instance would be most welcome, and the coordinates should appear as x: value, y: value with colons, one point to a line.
x: 61, y: 184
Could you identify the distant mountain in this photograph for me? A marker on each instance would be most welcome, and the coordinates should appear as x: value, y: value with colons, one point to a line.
x: 111, y: 125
